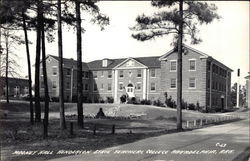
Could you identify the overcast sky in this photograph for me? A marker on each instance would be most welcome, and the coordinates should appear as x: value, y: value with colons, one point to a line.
x: 226, y: 40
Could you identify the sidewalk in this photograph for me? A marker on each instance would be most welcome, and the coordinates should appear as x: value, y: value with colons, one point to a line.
x: 222, y: 142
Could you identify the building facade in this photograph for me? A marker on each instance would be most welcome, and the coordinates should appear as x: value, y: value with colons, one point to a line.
x: 205, y: 80
x: 17, y: 87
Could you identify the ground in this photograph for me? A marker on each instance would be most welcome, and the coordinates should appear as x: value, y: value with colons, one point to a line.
x: 132, y: 123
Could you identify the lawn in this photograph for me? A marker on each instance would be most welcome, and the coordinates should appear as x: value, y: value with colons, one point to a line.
x: 132, y: 123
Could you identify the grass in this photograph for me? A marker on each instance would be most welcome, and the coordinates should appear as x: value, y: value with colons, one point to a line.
x: 144, y: 121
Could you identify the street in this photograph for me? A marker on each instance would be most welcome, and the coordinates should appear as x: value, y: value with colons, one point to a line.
x: 228, y: 142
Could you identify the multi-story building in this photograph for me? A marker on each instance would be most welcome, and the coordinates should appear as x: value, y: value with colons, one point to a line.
x: 205, y: 80
x: 16, y: 87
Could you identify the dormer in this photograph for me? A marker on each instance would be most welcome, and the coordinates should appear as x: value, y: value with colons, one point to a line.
x: 106, y: 62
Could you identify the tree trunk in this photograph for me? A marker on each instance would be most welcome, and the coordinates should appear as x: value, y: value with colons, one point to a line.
x: 7, y: 66
x: 79, y: 65
x: 46, y: 90
x: 60, y: 64
x: 37, y: 65
x: 29, y: 69
x: 179, y: 68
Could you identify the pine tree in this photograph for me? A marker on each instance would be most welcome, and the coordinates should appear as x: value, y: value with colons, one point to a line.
x: 179, y: 18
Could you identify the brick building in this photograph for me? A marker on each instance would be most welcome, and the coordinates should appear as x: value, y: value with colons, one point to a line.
x: 205, y: 80
x: 17, y: 87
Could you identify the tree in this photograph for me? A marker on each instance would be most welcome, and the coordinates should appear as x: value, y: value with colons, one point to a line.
x: 60, y: 64
x: 8, y: 59
x: 102, y: 21
x: 242, y: 95
x: 179, y: 22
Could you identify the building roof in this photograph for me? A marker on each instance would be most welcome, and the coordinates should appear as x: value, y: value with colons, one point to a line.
x: 71, y: 62
x: 151, y: 62
x: 202, y: 55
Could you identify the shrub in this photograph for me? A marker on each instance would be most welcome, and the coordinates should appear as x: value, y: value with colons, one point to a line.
x: 123, y: 98
x: 110, y: 100
x: 191, y: 106
x: 158, y: 103
x: 145, y: 102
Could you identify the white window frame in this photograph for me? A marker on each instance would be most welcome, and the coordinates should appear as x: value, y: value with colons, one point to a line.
x: 171, y: 83
x: 102, y: 73
x: 189, y: 60
x: 54, y: 83
x: 120, y: 83
x: 138, y: 73
x: 120, y: 74
x: 54, y: 67
x: 96, y: 74
x: 140, y: 86
x: 110, y: 87
x: 102, y: 86
x: 194, y: 83
x: 110, y: 74
x: 151, y: 86
x: 68, y: 69
x: 171, y: 61
x: 151, y: 73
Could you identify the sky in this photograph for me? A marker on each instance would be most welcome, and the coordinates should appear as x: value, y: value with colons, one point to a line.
x: 226, y: 40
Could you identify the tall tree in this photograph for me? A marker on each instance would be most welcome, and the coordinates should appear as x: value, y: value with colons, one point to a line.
x: 37, y: 63
x: 102, y: 21
x: 173, y: 19
x: 60, y: 64
x: 29, y: 67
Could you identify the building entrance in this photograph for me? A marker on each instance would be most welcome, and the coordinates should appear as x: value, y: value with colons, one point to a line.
x: 130, y: 90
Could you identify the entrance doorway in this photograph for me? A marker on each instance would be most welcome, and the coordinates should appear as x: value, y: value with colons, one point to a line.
x: 130, y: 90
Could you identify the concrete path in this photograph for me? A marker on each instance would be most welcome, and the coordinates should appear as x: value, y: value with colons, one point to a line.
x: 217, y: 143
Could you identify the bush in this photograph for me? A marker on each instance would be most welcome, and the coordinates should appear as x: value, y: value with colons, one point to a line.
x: 191, y: 106
x: 158, y: 103
x: 110, y: 100
x: 169, y: 102
x: 145, y: 102
x: 132, y: 100
x: 123, y: 98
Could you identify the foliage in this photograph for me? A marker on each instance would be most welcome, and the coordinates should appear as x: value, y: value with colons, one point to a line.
x: 158, y: 103
x: 146, y: 102
x: 110, y: 100
x: 123, y: 98
x: 165, y: 21
x: 169, y: 101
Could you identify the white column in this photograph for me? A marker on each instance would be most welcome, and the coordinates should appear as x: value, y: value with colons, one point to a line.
x: 115, y: 74
x: 144, y: 90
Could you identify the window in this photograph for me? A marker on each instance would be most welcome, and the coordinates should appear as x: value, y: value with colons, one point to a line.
x: 173, y: 65
x: 86, y: 87
x: 54, y: 70
x: 109, y: 87
x: 139, y: 73
x: 54, y: 85
x: 86, y: 74
x: 192, y: 83
x: 68, y: 72
x: 83, y: 74
x: 120, y: 86
x: 67, y: 85
x: 102, y: 86
x: 152, y: 86
x: 121, y: 73
x: 102, y: 73
x: 152, y: 72
x: 109, y: 74
x: 138, y: 86
x: 95, y: 87
x: 192, y: 64
x: 173, y: 83
x: 94, y: 74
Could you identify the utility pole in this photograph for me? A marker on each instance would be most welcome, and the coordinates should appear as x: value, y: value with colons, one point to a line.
x: 238, y: 89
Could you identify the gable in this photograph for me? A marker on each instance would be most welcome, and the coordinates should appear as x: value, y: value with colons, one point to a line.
x: 130, y: 63
x: 186, y: 51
